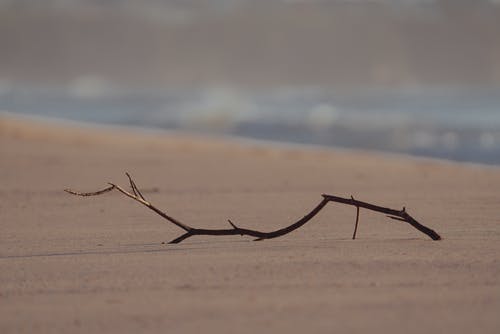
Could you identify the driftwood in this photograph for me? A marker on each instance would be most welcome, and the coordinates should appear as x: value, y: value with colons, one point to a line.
x: 400, y: 215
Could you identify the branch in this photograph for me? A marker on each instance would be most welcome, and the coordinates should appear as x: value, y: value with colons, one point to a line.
x: 136, y: 195
x: 393, y: 214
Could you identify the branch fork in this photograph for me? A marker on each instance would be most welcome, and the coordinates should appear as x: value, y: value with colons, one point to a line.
x: 136, y: 195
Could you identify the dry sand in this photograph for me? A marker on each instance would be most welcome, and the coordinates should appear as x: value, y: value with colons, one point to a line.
x: 81, y: 265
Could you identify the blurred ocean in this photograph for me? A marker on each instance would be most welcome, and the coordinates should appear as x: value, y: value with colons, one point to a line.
x: 442, y: 123
x: 418, y: 77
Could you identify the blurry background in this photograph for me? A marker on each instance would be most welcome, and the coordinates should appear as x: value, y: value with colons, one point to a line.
x: 409, y: 76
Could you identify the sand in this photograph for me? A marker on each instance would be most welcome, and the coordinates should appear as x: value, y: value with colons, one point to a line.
x: 81, y: 265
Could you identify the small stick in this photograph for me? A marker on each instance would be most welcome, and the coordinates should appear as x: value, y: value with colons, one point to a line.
x: 137, y: 196
x: 357, y: 220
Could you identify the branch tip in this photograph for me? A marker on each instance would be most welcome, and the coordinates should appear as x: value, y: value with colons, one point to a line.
x: 233, y: 225
x: 357, y: 219
x: 134, y: 187
x: 95, y: 193
x: 397, y: 218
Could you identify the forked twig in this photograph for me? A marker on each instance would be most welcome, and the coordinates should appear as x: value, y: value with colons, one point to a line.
x: 400, y: 215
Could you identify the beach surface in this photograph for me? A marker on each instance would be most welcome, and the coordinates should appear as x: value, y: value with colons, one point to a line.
x: 102, y: 264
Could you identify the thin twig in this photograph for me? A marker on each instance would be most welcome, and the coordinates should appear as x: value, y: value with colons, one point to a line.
x: 95, y: 193
x: 400, y: 215
x: 133, y: 186
x: 357, y: 220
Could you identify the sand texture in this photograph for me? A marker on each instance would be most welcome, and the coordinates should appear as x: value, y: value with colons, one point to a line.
x: 83, y: 265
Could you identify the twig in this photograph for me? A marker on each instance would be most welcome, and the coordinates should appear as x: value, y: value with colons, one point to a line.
x: 357, y: 220
x: 136, y: 195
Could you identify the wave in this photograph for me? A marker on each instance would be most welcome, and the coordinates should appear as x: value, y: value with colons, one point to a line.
x: 461, y: 125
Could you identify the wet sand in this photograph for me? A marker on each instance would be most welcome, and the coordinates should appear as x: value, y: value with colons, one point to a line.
x: 98, y: 264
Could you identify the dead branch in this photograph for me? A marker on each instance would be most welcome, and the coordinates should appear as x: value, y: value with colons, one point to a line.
x: 136, y: 195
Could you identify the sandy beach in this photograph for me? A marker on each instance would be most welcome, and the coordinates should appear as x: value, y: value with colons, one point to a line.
x: 100, y: 264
